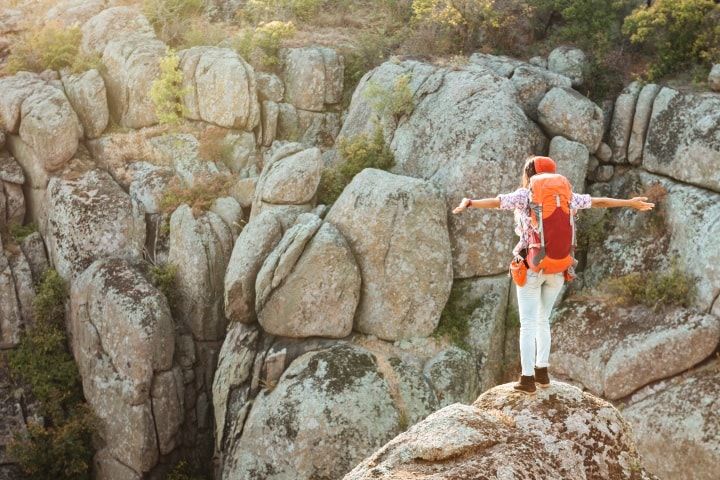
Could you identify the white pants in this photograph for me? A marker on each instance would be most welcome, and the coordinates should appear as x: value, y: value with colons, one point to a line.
x: 535, y: 301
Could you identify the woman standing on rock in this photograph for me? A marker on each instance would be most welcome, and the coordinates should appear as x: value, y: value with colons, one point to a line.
x: 537, y: 296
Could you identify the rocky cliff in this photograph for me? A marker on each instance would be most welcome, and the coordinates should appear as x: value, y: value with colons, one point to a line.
x: 300, y: 337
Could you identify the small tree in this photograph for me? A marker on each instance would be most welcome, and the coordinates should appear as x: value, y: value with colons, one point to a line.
x: 677, y: 33
x: 166, y: 91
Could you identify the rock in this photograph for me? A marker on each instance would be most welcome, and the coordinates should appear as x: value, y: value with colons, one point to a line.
x: 123, y: 341
x: 15, y: 90
x: 222, y: 88
x: 572, y: 159
x: 290, y: 177
x: 149, y: 184
x: 90, y: 218
x: 270, y: 114
x: 683, y: 138
x: 270, y: 87
x: 33, y: 248
x: 10, y: 170
x: 566, y: 113
x: 318, y: 129
x: 464, y: 136
x: 330, y: 408
x: 200, y: 271
x: 131, y: 65
x: 11, y: 321
x: 622, y: 122
x: 686, y: 412
x: 244, y: 157
x: 612, y: 350
x: 50, y: 127
x: 643, y: 111
x: 570, y: 62
x: 113, y: 23
x: 253, y: 245
x: 714, y: 78
x: 71, y: 12
x: 313, y: 78
x: 503, y: 434
x: 404, y: 289
x: 500, y: 64
x: 532, y: 84
x: 454, y: 376
x: 310, y: 284
x: 180, y: 150
x: 230, y: 211
x: 88, y: 98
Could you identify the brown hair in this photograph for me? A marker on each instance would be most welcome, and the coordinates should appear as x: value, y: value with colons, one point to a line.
x: 528, y: 171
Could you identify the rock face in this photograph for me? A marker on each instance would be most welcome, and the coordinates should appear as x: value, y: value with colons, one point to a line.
x: 686, y: 411
x: 397, y: 230
x: 90, y: 218
x: 88, y: 97
x: 123, y: 341
x: 613, y: 351
x: 565, y: 112
x: 313, y: 78
x: 504, y: 433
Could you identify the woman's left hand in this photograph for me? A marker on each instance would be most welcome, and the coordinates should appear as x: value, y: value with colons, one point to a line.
x: 641, y: 203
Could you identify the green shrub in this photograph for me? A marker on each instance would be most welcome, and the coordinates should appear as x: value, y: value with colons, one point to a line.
x: 260, y: 46
x: 671, y: 287
x: 257, y: 11
x: 455, y: 317
x: 182, y: 471
x: 358, y: 152
x: 199, y: 197
x: 60, y: 448
x: 676, y: 34
x: 172, y: 18
x: 166, y: 91
x: 51, y: 47
x: 397, y: 101
x: 163, y: 277
x: 19, y: 232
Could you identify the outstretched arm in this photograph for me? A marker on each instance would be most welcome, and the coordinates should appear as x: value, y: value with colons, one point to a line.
x: 638, y: 203
x: 482, y: 203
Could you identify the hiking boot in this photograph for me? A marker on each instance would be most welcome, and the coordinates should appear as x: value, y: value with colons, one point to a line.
x: 526, y: 384
x: 541, y: 377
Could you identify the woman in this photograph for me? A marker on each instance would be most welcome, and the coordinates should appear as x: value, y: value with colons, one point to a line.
x: 537, y: 296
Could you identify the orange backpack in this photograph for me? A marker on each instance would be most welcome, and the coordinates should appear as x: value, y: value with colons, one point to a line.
x: 552, y: 245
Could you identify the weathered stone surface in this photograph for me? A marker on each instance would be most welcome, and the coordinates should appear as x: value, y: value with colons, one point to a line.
x: 148, y: 184
x: 714, y: 78
x: 532, y: 84
x: 622, y: 122
x: 90, y: 218
x: 123, y: 339
x: 131, y: 64
x: 500, y: 64
x: 643, y: 111
x: 503, y: 434
x: 310, y: 284
x: 330, y: 409
x: 253, y: 245
x: 33, y: 248
x: 613, y: 351
x: 10, y: 313
x: 88, y: 98
x: 313, y: 77
x: 180, y: 150
x: 50, y: 127
x: 230, y: 211
x: 404, y: 289
x: 244, y: 159
x: 570, y: 62
x: 270, y: 87
x: 71, y: 12
x: 15, y: 90
x: 465, y: 133
x: 454, y: 376
x: 270, y: 114
x: 565, y: 112
x: 685, y: 413
x: 200, y: 271
x: 572, y: 159
x: 318, y: 129
x: 113, y: 23
x: 291, y: 179
x: 683, y: 141
x: 222, y: 87
x: 10, y: 169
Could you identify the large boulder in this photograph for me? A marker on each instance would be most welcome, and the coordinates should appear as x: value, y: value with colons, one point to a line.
x: 565, y: 112
x: 313, y: 77
x: 88, y: 218
x: 532, y: 83
x: 683, y: 138
x: 330, y: 409
x: 641, y: 122
x: 562, y: 434
x: 397, y: 230
x: 310, y: 284
x: 71, y: 12
x: 465, y: 133
x: 570, y: 62
x: 113, y: 23
x: 11, y: 321
x: 200, y: 248
x: 685, y: 412
x: 15, y: 90
x: 613, y: 350
x: 130, y: 66
x: 12, y: 199
x: 622, y: 122
x: 222, y: 88
x: 88, y: 98
x: 123, y: 340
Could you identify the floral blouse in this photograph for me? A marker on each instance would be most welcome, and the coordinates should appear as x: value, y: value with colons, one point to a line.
x: 519, y: 201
